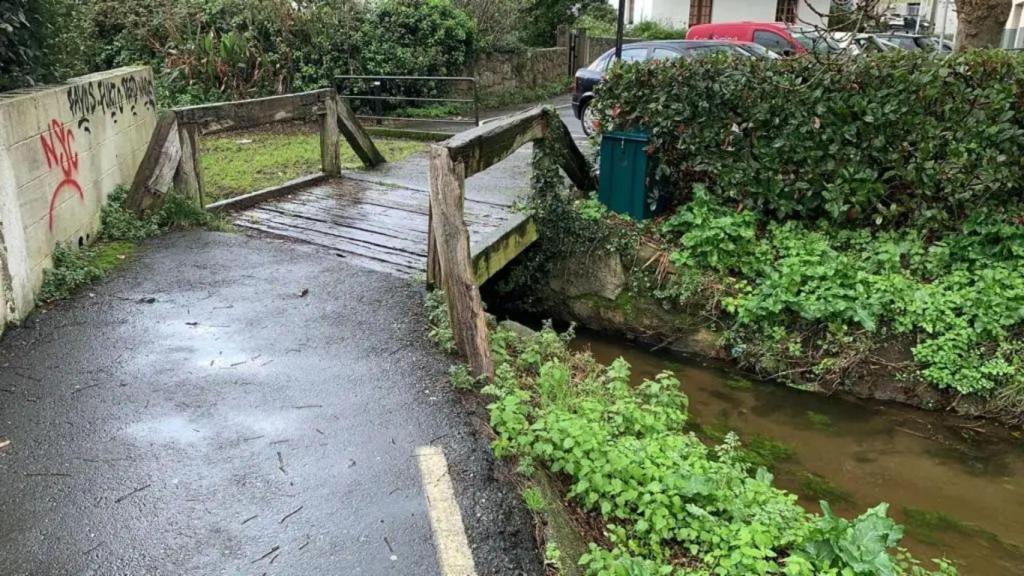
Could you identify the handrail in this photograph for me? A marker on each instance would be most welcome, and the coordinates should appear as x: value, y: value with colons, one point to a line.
x: 377, y: 97
x: 449, y: 264
x: 172, y: 157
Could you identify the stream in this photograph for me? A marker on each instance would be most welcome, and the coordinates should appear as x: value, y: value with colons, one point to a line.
x: 957, y: 486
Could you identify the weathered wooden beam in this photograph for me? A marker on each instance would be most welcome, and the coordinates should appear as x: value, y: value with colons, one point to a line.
x: 188, y: 179
x: 254, y: 198
x: 484, y: 146
x: 494, y: 251
x: 356, y: 135
x: 223, y: 116
x: 330, y: 161
x: 465, y: 307
x: 155, y: 175
x: 570, y: 158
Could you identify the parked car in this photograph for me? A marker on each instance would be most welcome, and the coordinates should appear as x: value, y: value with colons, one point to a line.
x: 916, y: 42
x: 855, y: 43
x: 774, y: 36
x: 588, y: 78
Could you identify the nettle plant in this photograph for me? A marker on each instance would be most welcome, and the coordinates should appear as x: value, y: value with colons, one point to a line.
x: 671, y: 505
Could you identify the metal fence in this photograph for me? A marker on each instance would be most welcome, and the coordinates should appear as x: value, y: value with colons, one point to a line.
x: 376, y: 91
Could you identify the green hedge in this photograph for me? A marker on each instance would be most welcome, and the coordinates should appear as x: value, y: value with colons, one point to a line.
x: 879, y: 140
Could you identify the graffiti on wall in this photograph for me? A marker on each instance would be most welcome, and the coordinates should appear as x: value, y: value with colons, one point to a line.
x: 116, y: 98
x: 59, y: 149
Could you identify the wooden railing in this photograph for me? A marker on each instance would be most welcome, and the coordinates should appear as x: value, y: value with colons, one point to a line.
x: 449, y: 265
x: 172, y: 159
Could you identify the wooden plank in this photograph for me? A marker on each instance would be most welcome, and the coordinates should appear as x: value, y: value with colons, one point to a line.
x: 188, y: 178
x: 494, y: 251
x: 482, y: 213
x: 570, y: 158
x: 355, y: 232
x: 155, y: 174
x: 296, y: 230
x: 218, y: 117
x: 484, y: 146
x: 251, y: 199
x: 330, y: 161
x: 465, y: 307
x: 356, y: 135
x: 395, y: 223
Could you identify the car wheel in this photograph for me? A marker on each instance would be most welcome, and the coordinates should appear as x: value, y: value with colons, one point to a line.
x: 587, y: 119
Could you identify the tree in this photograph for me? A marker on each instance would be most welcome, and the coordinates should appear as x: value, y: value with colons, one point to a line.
x: 543, y: 17
x: 981, y: 23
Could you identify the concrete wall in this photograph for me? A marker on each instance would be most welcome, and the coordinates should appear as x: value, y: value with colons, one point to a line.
x: 524, y: 70
x: 63, y: 149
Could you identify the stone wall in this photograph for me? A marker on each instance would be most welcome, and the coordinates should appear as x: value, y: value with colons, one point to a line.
x: 500, y: 72
x: 63, y: 149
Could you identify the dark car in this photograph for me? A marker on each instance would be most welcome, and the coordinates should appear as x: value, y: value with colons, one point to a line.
x: 588, y: 78
x: 915, y: 42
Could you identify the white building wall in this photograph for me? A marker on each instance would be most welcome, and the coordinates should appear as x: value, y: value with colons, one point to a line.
x: 813, y: 12
x: 740, y: 10
x: 676, y: 13
x: 63, y: 149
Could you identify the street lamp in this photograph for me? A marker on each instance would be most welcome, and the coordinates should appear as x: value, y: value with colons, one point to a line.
x: 619, y: 29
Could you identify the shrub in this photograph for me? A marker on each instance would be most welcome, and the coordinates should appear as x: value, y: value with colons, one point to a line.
x: 877, y: 140
x: 43, y: 41
x: 417, y: 38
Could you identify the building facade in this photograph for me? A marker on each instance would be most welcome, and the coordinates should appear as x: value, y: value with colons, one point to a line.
x: 686, y: 13
x: 1013, y: 35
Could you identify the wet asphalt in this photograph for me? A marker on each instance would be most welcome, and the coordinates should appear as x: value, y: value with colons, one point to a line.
x: 224, y: 404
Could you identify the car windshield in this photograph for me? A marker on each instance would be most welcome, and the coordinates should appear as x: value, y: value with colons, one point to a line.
x: 601, y: 63
x: 716, y: 49
x: 758, y: 50
x: 815, y: 42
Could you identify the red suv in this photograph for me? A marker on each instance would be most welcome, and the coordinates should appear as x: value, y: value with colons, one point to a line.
x: 774, y: 36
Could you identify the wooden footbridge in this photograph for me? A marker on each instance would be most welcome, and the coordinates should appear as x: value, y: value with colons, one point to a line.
x: 398, y: 228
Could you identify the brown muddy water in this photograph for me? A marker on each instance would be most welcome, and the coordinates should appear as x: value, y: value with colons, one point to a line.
x: 957, y: 486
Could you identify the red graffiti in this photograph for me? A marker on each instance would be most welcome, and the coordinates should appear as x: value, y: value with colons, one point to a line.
x: 59, y: 150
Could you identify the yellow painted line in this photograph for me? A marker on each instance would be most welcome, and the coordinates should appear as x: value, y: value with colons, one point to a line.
x: 453, y: 553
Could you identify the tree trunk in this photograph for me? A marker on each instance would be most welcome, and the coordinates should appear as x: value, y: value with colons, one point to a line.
x: 981, y: 23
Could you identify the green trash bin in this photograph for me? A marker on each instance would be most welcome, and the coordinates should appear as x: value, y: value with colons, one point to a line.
x: 624, y: 187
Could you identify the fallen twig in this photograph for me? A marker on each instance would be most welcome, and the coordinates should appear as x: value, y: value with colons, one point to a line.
x: 132, y: 493
x: 272, y: 550
x: 290, y: 514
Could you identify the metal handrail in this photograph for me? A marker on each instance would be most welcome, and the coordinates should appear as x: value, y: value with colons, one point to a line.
x: 377, y: 97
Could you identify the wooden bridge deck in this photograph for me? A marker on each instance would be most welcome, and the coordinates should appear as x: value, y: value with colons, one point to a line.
x: 384, y: 226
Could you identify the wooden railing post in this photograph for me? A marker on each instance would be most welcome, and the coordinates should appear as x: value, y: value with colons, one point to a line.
x: 188, y: 180
x: 356, y: 135
x: 451, y: 242
x: 330, y: 162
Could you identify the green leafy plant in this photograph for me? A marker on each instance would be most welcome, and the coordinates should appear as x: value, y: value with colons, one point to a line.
x: 438, y: 322
x: 670, y: 504
x: 534, y: 499
x: 461, y: 378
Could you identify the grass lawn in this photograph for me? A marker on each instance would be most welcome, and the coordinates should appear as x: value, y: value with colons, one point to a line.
x: 241, y: 162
